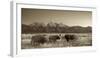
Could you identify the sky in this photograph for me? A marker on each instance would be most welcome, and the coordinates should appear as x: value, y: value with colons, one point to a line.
x: 67, y: 17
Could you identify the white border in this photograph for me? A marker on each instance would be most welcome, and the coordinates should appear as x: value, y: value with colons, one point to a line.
x: 16, y: 32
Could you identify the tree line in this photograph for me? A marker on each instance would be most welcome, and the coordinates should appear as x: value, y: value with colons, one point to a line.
x: 54, y: 28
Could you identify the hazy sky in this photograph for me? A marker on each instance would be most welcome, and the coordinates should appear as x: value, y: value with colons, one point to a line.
x: 70, y: 18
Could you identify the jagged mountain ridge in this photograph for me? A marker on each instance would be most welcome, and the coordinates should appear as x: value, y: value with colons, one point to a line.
x: 54, y: 28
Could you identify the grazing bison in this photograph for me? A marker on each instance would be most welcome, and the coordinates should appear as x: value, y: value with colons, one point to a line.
x: 54, y: 38
x: 70, y: 37
x: 38, y: 39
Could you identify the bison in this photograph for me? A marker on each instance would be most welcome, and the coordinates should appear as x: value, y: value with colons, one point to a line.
x: 38, y: 39
x: 54, y: 38
x: 70, y: 37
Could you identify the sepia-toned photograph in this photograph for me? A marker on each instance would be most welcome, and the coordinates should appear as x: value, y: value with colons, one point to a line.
x: 49, y: 28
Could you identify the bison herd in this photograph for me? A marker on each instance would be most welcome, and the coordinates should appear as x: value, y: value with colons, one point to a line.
x: 41, y: 39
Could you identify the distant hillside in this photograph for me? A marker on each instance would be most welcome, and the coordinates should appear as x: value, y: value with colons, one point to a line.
x: 54, y: 28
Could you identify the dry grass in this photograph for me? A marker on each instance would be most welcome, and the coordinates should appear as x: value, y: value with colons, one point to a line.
x: 82, y: 40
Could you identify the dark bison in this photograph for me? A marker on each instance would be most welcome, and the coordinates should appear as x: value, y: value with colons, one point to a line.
x: 70, y: 37
x: 54, y: 38
x: 38, y: 39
